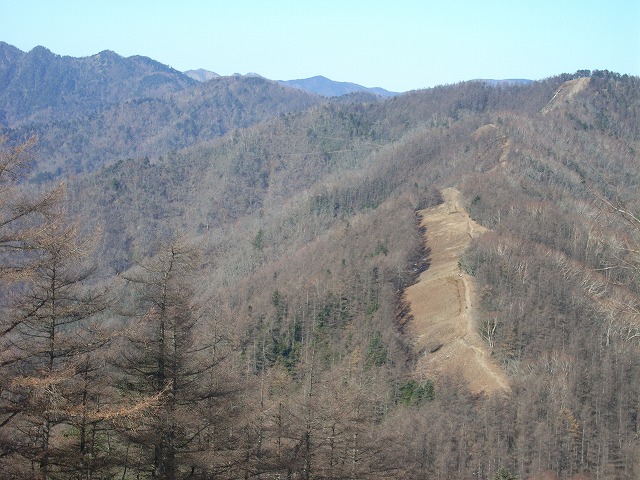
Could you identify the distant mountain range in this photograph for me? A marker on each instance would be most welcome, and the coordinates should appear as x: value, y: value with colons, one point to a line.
x: 144, y: 107
x: 330, y: 88
x: 42, y: 86
x: 107, y: 78
x: 319, y: 85
x: 326, y: 87
x: 506, y: 82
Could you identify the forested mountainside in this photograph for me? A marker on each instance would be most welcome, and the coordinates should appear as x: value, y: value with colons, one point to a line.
x: 40, y: 86
x: 94, y: 110
x: 151, y: 127
x: 236, y: 308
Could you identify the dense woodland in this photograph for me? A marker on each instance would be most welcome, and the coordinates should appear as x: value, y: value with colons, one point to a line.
x: 229, y: 303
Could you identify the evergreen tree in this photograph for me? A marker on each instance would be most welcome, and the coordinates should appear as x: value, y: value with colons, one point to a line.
x: 504, y: 474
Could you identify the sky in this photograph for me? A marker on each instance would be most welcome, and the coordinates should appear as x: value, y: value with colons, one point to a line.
x: 399, y: 45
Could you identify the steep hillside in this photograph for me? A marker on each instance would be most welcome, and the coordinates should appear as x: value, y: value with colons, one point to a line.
x: 443, y: 303
x: 65, y: 87
x: 152, y: 127
x: 94, y: 110
x: 565, y: 93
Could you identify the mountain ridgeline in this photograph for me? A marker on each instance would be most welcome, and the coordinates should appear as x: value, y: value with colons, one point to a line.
x: 329, y: 88
x: 67, y: 87
x: 232, y: 258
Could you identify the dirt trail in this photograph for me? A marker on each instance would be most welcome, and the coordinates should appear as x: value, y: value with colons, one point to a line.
x: 442, y: 302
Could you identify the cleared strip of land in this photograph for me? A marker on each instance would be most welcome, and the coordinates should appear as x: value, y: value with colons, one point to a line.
x: 442, y: 302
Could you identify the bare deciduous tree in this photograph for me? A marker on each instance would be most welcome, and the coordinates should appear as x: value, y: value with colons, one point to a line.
x: 167, y: 356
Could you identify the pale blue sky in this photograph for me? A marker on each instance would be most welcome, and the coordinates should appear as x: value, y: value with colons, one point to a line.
x: 398, y: 45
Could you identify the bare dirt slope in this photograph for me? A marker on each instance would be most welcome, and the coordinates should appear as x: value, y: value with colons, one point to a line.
x: 443, y: 328
x: 566, y: 92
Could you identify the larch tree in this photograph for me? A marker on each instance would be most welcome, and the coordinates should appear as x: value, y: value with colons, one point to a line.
x: 24, y: 216
x: 166, y: 356
x: 50, y: 352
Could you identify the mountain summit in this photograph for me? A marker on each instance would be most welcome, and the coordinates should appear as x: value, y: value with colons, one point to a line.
x: 330, y: 88
x: 41, y: 86
x: 201, y: 75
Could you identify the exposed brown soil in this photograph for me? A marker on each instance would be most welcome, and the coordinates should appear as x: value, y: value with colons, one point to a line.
x: 443, y: 327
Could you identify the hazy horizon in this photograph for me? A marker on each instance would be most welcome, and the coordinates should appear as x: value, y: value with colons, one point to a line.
x: 400, y: 46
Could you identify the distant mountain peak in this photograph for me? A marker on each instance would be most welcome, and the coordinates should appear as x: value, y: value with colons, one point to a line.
x: 248, y: 74
x: 40, y: 85
x: 41, y: 51
x: 109, y: 53
x: 9, y: 53
x: 201, y: 75
x: 7, y: 46
x: 331, y: 88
